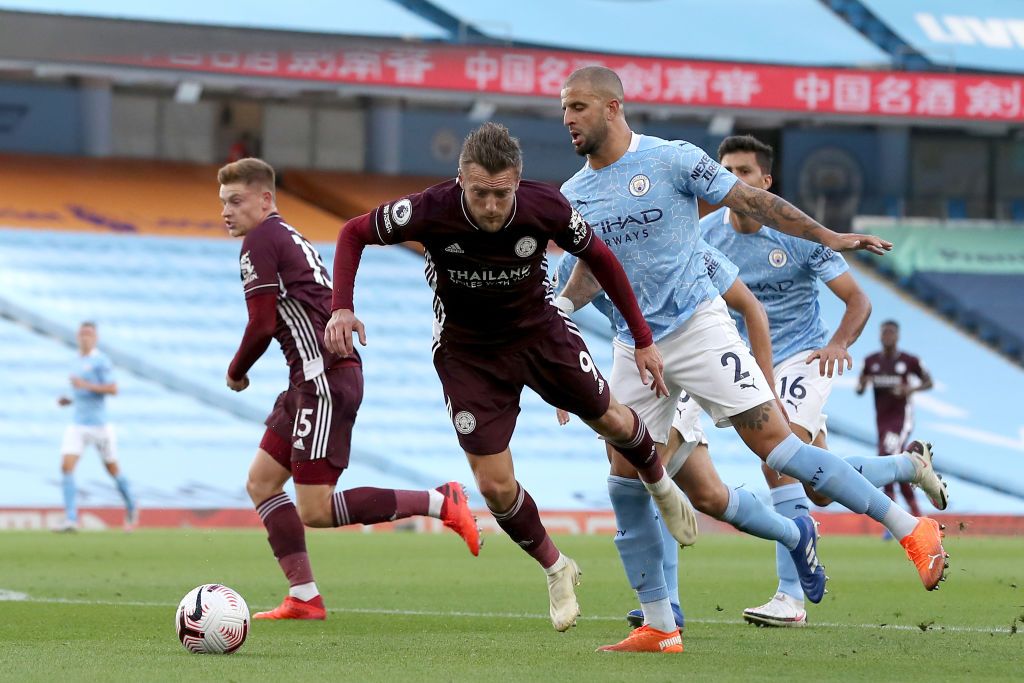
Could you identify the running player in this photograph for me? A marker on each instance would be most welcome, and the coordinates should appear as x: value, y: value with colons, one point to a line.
x: 889, y: 372
x: 308, y: 437
x: 92, y: 380
x: 686, y: 460
x: 784, y: 272
x: 496, y: 331
x: 640, y: 194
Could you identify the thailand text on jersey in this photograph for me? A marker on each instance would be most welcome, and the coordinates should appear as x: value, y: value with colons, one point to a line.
x: 490, y: 288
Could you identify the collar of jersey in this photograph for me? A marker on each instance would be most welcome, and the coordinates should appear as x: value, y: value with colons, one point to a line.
x: 634, y: 145
x: 469, y: 219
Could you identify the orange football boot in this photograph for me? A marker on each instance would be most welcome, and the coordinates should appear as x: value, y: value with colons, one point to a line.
x: 293, y: 608
x: 648, y: 639
x: 456, y: 515
x: 924, y: 548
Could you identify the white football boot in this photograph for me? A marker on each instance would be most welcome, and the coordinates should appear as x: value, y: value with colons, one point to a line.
x: 925, y: 477
x: 675, y: 510
x: 562, y: 594
x: 781, y: 610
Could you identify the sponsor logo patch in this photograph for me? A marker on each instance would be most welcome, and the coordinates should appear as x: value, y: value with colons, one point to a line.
x: 402, y: 211
x: 465, y: 422
x: 777, y: 258
x: 248, y: 270
x: 578, y: 226
x: 526, y: 246
x: 639, y: 185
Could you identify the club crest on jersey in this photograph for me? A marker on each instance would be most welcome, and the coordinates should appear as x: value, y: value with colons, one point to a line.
x: 526, y: 246
x: 639, y: 185
x: 777, y: 258
x: 900, y: 368
x: 248, y: 270
x: 401, y: 212
x: 465, y: 422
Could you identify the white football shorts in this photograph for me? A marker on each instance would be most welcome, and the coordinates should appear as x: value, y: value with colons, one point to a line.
x: 705, y: 358
x: 77, y: 437
x: 803, y: 392
x: 687, y: 423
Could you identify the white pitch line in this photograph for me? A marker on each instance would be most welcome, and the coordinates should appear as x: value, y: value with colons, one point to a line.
x: 14, y: 596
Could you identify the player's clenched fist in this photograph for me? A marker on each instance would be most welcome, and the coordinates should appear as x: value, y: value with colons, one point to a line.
x: 338, y: 334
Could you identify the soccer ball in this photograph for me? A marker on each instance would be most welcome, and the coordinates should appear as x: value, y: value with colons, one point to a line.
x: 212, y: 619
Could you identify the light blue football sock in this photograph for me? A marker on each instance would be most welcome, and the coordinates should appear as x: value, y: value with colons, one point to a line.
x: 789, y: 501
x: 638, y: 538
x: 886, y: 469
x: 70, y: 495
x: 747, y: 513
x: 837, y: 479
x: 122, y: 486
x: 670, y: 562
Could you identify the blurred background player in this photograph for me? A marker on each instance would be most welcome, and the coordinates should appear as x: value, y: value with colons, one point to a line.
x: 308, y: 437
x: 785, y: 272
x: 627, y: 173
x: 496, y: 331
x: 92, y: 380
x: 889, y: 372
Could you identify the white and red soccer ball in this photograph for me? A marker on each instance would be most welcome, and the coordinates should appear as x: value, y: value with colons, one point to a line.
x: 212, y: 619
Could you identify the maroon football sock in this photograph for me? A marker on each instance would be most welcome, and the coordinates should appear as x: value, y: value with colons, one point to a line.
x: 522, y: 524
x: 367, y: 505
x: 640, y: 451
x: 287, y: 538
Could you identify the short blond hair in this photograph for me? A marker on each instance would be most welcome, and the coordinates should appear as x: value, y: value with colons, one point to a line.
x: 250, y: 171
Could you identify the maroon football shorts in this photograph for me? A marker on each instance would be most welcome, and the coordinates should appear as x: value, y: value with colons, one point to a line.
x: 482, y: 385
x: 315, y: 420
x: 893, y: 435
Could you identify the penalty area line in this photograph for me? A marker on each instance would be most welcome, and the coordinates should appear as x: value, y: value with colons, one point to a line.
x: 15, y: 596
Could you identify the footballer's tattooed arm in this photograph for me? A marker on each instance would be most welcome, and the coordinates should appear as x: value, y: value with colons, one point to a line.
x: 582, y: 286
x: 774, y: 211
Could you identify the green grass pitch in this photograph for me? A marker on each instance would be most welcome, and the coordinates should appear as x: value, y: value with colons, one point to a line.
x: 407, y: 607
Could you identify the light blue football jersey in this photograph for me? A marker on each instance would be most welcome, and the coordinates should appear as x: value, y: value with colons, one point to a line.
x: 90, y: 408
x: 644, y: 207
x: 783, y: 272
x: 721, y: 270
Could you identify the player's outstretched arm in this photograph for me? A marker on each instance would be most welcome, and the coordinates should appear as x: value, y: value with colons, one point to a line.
x: 774, y: 211
x: 352, y: 239
x: 834, y: 356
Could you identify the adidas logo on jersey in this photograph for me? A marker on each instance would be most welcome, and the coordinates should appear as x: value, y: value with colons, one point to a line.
x: 298, y: 445
x: 454, y: 249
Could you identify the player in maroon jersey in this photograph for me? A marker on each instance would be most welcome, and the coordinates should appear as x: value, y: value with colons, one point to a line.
x: 496, y: 331
x: 308, y: 436
x: 889, y: 372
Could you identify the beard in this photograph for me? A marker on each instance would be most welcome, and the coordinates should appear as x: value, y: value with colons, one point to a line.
x: 593, y: 142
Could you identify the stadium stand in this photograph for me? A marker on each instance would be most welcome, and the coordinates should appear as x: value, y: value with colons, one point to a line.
x: 967, y: 271
x: 175, y: 304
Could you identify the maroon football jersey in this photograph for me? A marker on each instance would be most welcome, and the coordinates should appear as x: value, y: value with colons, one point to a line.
x: 489, y: 287
x: 275, y: 255
x: 886, y: 373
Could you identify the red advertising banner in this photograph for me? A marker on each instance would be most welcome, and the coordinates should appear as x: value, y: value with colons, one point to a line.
x: 540, y: 73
